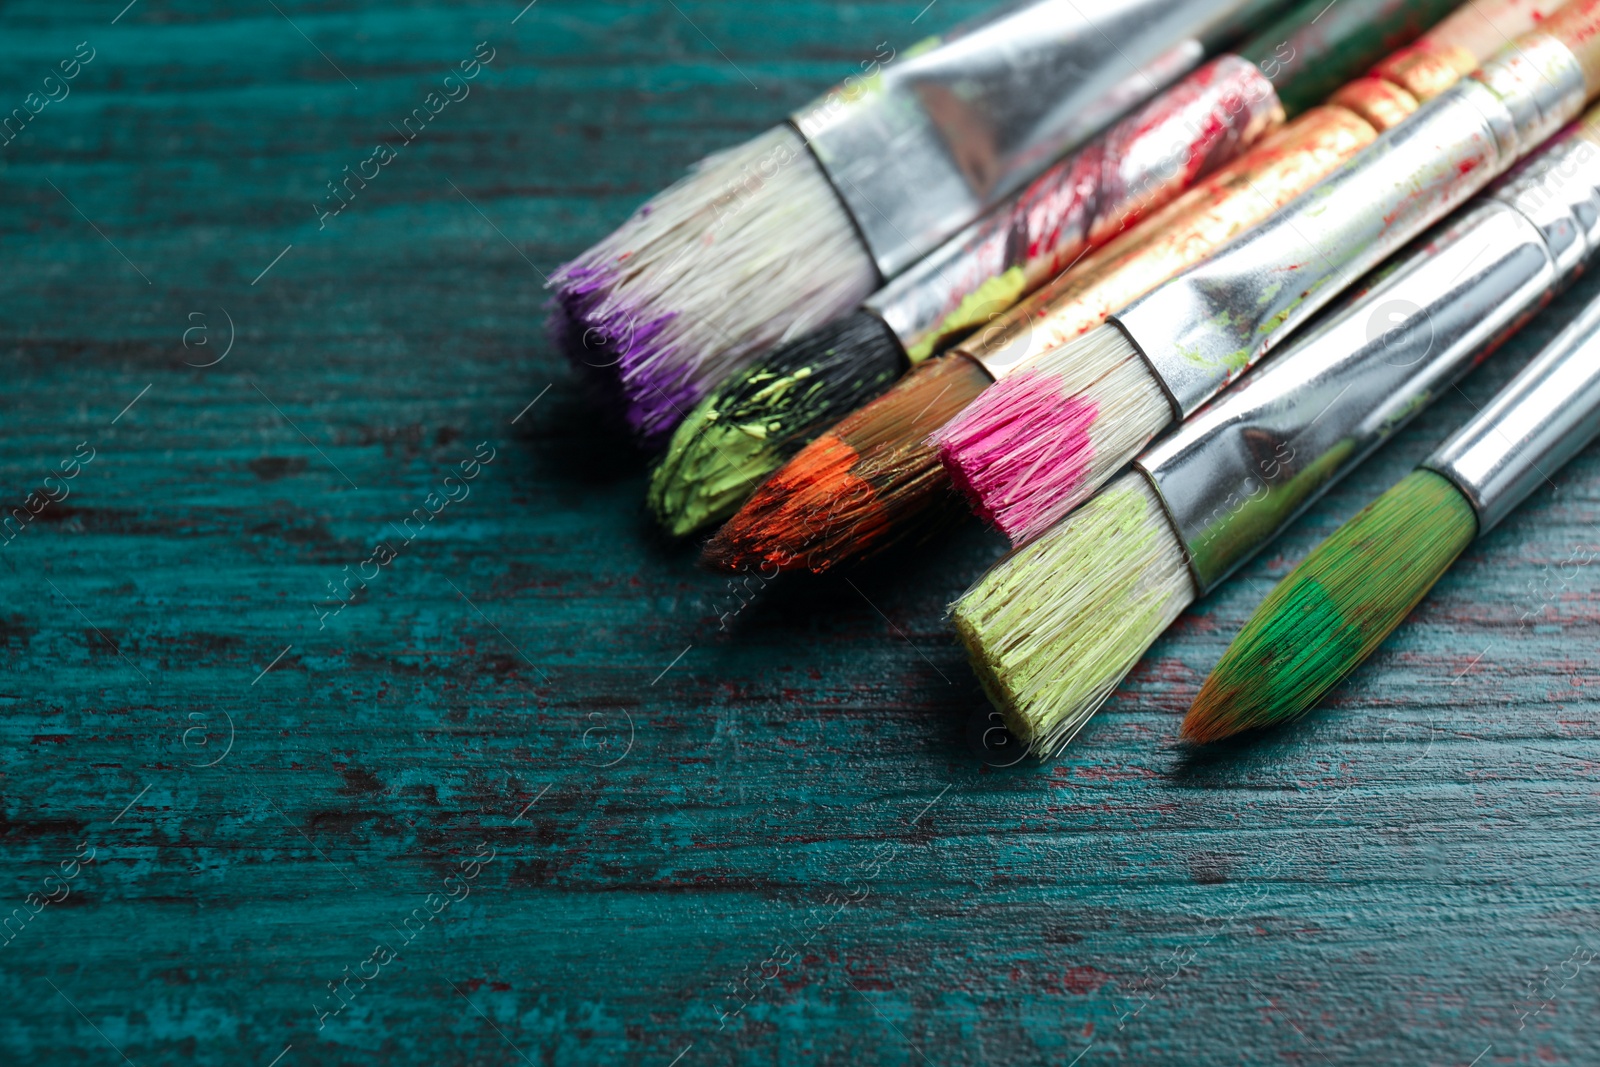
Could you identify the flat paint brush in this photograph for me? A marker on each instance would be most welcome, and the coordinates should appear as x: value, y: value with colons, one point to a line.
x: 1337, y: 606
x: 1037, y: 445
x: 767, y: 240
x: 1054, y: 627
x: 763, y: 414
x: 873, y: 481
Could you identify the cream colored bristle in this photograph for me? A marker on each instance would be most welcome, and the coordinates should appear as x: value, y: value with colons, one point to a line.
x: 751, y: 249
x: 1044, y: 438
x: 1054, y: 627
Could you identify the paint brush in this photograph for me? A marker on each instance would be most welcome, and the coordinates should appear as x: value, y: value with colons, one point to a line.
x: 762, y: 415
x: 873, y: 480
x: 1039, y: 443
x: 1337, y: 606
x: 767, y: 240
x: 1054, y: 627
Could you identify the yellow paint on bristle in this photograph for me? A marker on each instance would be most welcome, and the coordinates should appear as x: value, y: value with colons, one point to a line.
x: 1054, y: 627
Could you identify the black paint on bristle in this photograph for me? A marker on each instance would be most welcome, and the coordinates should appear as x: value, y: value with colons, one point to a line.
x: 762, y: 416
x: 835, y: 369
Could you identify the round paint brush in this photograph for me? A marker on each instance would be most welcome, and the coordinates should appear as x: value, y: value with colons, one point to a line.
x: 1054, y: 627
x: 762, y: 415
x: 873, y: 480
x: 1337, y: 606
x: 1038, y: 444
x: 767, y: 240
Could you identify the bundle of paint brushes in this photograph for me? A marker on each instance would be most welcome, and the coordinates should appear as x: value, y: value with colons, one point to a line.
x: 770, y: 239
x: 874, y: 479
x: 761, y: 416
x: 1058, y: 623
x: 1050, y: 320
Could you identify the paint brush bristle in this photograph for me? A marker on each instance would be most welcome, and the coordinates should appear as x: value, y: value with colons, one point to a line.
x: 1055, y: 626
x: 1335, y: 608
x: 1038, y: 442
x: 749, y: 250
x: 764, y: 414
x: 854, y: 490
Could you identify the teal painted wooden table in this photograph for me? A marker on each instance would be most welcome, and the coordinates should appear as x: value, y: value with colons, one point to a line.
x: 354, y: 714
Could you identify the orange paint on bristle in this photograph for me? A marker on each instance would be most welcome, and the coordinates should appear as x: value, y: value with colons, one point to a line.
x: 1202, y: 725
x: 857, y: 489
x: 795, y: 519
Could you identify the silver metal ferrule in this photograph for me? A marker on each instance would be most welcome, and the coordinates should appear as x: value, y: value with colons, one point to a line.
x: 1545, y: 416
x: 1203, y: 328
x: 1243, y: 468
x: 1140, y: 164
x: 921, y: 145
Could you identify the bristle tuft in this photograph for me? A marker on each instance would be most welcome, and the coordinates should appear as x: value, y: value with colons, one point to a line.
x: 751, y: 249
x: 1054, y: 627
x: 1335, y: 608
x: 777, y: 526
x: 868, y: 484
x: 1041, y: 440
x: 765, y: 414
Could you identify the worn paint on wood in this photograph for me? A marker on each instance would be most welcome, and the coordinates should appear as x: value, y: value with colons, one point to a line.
x: 673, y: 809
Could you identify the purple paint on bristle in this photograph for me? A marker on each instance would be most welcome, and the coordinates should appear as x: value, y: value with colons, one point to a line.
x: 1016, y: 477
x: 621, y: 350
x: 576, y: 300
x: 648, y: 379
x: 656, y: 404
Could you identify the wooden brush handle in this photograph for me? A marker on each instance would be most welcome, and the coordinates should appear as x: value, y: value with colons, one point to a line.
x: 1247, y: 191
x: 1577, y: 25
x: 1203, y: 328
x: 1454, y: 48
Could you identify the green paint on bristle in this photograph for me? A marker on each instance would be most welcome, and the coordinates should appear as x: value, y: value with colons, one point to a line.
x: 976, y: 308
x: 1335, y: 608
x: 763, y: 415
x: 713, y: 461
x: 1054, y: 626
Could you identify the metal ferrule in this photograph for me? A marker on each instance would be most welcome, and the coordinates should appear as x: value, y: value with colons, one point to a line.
x: 1545, y: 416
x: 1138, y: 165
x: 1202, y: 329
x: 1282, y: 166
x: 1243, y: 468
x: 921, y: 145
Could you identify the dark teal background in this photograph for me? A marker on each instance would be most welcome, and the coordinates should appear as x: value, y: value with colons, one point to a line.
x: 673, y: 810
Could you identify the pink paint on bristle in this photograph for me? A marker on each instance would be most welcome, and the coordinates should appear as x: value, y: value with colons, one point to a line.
x: 1012, y: 473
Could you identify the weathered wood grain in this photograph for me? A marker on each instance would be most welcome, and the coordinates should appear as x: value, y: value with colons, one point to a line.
x: 673, y: 808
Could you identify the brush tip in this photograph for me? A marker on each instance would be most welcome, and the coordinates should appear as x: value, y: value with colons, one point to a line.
x: 1212, y: 717
x: 1334, y: 609
x: 1054, y: 627
x: 789, y: 510
x: 867, y: 484
x: 761, y: 416
x: 711, y: 463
